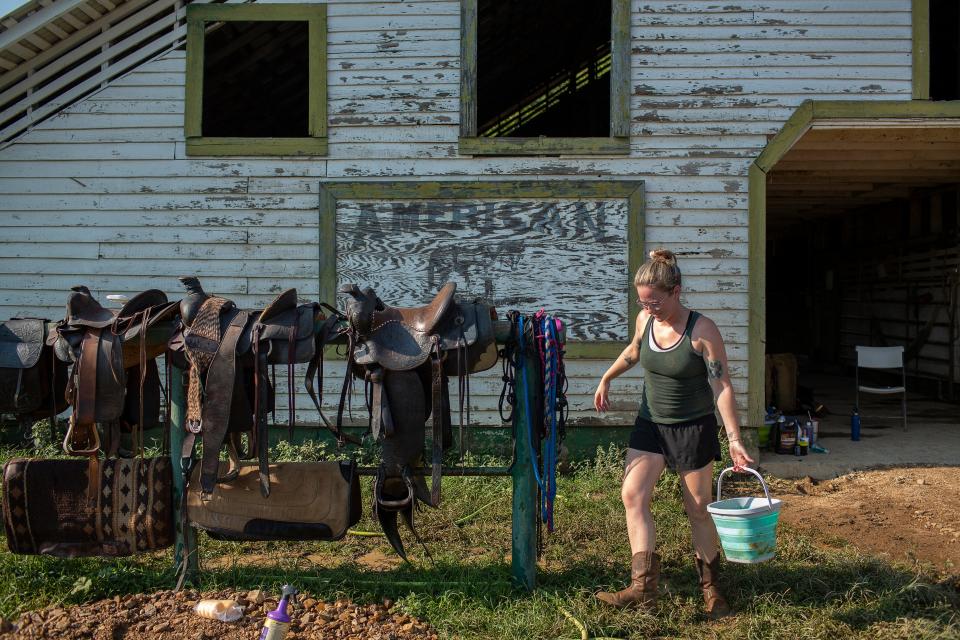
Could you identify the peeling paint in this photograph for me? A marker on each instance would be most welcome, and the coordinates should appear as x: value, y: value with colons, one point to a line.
x: 717, y: 90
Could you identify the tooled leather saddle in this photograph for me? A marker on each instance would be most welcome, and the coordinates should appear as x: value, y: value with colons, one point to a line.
x: 229, y: 392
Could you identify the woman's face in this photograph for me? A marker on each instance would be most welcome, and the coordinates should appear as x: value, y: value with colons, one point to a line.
x: 659, y: 304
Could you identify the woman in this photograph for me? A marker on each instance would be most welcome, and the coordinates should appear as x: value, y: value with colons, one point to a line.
x: 685, y: 377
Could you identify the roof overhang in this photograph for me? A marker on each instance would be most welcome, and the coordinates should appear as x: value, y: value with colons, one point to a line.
x: 833, y: 156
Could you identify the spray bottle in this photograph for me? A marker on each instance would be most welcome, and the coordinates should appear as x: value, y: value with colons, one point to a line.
x: 278, y: 622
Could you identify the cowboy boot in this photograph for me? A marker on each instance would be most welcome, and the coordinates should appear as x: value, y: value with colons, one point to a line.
x: 642, y: 591
x: 715, y: 605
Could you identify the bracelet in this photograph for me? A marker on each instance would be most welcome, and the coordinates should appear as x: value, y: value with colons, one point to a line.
x: 732, y: 440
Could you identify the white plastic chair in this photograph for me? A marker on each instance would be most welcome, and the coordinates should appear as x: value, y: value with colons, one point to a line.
x: 882, y: 358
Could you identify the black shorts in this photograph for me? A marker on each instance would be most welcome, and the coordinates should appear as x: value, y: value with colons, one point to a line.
x: 686, y: 446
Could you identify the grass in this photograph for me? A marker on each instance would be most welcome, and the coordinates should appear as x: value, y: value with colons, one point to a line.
x: 809, y: 591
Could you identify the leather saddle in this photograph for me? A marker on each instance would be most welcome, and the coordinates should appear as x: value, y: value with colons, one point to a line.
x: 110, y: 382
x: 406, y: 356
x: 32, y: 379
x: 228, y: 353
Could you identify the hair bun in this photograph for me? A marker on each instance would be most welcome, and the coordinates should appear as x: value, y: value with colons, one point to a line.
x: 664, y: 256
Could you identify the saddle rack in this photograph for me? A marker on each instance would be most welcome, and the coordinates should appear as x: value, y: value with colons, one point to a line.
x: 525, y: 508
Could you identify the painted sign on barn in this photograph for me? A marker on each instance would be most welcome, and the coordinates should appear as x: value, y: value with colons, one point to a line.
x: 566, y: 256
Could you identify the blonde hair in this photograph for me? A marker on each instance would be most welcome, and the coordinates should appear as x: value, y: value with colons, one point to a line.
x: 660, y: 271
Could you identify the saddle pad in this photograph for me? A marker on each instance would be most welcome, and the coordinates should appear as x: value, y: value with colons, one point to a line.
x: 21, y: 343
x: 47, y: 508
x: 308, y: 501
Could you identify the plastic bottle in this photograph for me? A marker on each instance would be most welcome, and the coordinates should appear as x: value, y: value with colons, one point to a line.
x: 222, y: 610
x: 803, y: 437
x: 278, y: 622
x: 786, y: 436
x: 855, y: 425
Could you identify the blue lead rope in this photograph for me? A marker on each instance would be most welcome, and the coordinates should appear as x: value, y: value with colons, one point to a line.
x: 550, y: 457
x: 547, y: 479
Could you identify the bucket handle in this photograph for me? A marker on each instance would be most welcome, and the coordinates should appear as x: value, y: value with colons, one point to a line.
x: 766, y: 492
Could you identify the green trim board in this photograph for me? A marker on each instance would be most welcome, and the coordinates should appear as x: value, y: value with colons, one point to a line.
x: 808, y: 114
x: 543, y: 146
x: 204, y: 146
x: 757, y: 296
x: 920, y: 21
x: 631, y: 190
x: 198, y: 16
x: 617, y: 144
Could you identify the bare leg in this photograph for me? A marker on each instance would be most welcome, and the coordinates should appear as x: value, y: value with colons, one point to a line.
x: 643, y: 469
x: 640, y: 476
x: 697, y: 486
x: 697, y: 494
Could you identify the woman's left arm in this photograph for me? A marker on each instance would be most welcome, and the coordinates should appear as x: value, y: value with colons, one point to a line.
x: 715, y: 356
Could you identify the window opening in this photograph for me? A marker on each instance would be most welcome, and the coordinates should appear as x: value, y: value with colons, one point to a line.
x: 944, y: 50
x: 543, y: 68
x: 256, y: 80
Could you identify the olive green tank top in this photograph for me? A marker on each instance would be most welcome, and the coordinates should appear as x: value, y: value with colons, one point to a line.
x: 675, y: 387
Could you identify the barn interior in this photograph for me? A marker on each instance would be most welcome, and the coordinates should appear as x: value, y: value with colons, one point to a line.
x: 863, y: 249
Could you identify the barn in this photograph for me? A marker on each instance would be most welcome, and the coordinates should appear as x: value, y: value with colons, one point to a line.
x: 802, y: 159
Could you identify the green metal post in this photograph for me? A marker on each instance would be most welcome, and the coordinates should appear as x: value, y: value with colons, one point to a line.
x: 524, y: 552
x: 185, y: 541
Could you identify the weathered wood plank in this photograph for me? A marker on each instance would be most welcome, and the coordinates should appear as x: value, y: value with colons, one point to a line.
x: 156, y: 202
x: 90, y: 151
x: 136, y: 220
x: 171, y: 185
x: 99, y: 233
x: 137, y: 134
x: 822, y: 17
x: 266, y: 268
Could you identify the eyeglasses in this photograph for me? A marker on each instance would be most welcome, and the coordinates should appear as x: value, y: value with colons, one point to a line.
x: 655, y: 304
x: 652, y: 304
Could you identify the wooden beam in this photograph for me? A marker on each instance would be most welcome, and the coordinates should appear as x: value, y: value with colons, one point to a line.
x: 57, y: 54
x: 36, y: 20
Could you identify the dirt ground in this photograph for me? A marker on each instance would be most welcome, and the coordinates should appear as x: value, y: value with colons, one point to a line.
x: 169, y: 616
x: 905, y: 514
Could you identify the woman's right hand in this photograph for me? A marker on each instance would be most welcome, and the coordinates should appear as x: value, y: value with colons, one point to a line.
x: 601, y: 399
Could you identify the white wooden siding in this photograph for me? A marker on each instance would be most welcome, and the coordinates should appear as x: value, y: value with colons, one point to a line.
x: 104, y: 193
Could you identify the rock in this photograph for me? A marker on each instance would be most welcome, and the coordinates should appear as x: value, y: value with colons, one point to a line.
x: 921, y: 481
x: 407, y: 627
x: 150, y: 610
x: 309, y: 603
x: 256, y: 596
x: 307, y: 618
x: 345, y: 616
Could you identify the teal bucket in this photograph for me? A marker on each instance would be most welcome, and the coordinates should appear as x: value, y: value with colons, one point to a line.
x: 747, y: 526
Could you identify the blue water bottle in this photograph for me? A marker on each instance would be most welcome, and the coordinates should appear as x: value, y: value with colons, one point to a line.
x: 855, y: 425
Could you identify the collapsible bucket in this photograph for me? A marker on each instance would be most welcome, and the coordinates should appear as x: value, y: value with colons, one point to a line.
x: 747, y: 526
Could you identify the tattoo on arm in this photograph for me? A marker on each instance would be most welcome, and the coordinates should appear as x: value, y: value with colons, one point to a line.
x: 714, y: 369
x: 630, y: 361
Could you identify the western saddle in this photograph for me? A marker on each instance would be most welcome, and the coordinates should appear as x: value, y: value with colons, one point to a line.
x: 389, y: 348
x: 229, y: 390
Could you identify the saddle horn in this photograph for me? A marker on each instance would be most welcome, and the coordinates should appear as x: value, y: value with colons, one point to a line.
x: 196, y: 296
